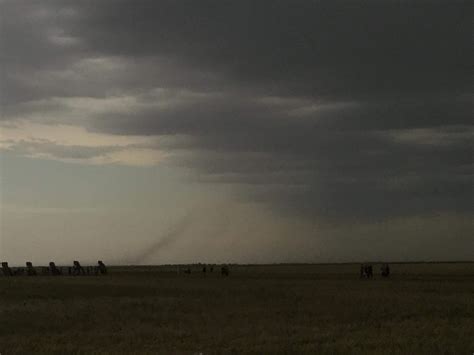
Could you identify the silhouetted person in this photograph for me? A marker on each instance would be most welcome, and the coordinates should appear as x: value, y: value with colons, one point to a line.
x: 385, y: 270
x: 211, y: 269
x: 102, y: 268
x: 53, y: 270
x: 6, y: 269
x: 370, y: 272
x: 30, y: 270
x: 225, y: 270
x: 77, y: 269
x: 204, y: 270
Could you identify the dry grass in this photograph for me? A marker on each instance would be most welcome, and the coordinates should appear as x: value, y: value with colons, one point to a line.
x: 295, y: 309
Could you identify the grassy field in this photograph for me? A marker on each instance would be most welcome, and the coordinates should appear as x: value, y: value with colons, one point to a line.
x: 294, y: 309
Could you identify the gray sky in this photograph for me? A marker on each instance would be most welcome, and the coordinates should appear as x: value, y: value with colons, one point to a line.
x: 244, y: 131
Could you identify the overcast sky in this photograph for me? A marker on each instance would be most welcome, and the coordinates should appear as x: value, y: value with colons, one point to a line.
x: 236, y: 131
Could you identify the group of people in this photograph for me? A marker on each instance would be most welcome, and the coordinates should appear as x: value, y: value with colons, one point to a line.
x: 77, y: 269
x: 224, y: 270
x: 366, y: 271
x: 74, y: 270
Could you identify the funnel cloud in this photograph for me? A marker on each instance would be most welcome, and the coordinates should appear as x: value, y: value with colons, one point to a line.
x: 171, y: 236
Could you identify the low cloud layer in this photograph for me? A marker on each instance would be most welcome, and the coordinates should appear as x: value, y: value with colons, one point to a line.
x: 331, y: 110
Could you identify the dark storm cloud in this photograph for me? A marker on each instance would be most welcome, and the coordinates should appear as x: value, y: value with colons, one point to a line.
x: 352, y: 175
x: 332, y: 108
x: 324, y: 48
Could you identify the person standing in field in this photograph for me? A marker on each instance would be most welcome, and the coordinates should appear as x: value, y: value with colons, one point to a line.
x: 385, y: 270
x: 369, y: 271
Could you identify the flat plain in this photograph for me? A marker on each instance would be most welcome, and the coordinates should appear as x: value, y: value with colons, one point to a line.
x: 423, y: 308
